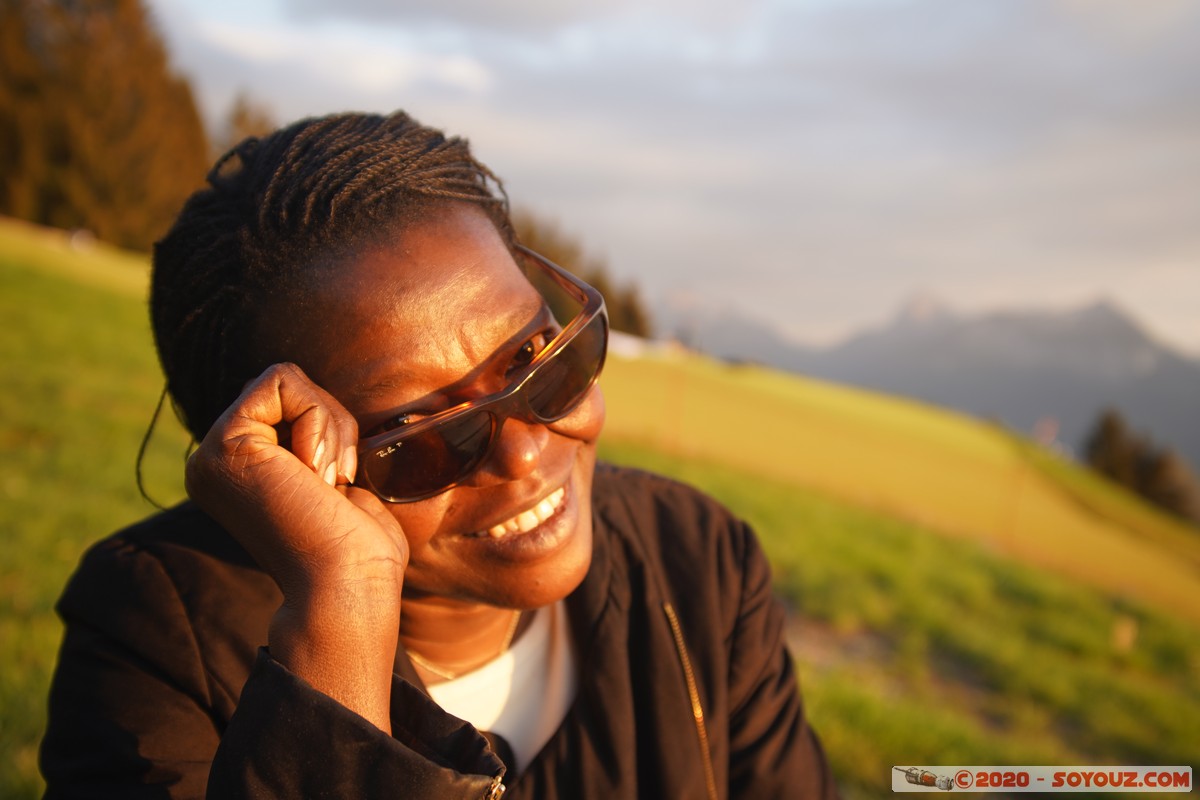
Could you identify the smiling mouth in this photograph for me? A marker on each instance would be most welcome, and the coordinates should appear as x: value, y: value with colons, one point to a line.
x: 530, y: 518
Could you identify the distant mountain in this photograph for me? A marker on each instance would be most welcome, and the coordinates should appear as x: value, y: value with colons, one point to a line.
x: 1019, y: 367
x: 729, y: 336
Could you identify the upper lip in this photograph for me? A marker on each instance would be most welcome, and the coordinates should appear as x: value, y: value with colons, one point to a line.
x: 529, y: 501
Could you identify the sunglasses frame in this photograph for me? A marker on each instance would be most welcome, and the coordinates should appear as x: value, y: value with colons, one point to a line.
x: 384, y: 444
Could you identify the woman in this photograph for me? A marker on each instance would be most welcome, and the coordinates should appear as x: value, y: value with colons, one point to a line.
x: 400, y: 573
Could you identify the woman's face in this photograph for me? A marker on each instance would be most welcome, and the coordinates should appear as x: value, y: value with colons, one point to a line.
x: 440, y: 315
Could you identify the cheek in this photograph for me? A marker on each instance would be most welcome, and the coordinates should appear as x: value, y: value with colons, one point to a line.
x: 421, y: 520
x: 586, y: 421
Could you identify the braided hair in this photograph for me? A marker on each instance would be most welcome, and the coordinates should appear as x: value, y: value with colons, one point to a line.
x: 275, y: 206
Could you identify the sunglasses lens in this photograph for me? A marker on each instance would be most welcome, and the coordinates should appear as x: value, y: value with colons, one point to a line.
x: 561, y: 383
x: 427, y: 463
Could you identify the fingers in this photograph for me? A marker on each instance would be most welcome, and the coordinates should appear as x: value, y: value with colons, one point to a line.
x: 275, y: 470
x: 322, y: 434
x: 242, y: 460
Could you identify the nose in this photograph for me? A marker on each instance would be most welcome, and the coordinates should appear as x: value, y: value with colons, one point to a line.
x: 517, y: 451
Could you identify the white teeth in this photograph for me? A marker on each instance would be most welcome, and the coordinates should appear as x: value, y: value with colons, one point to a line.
x: 531, y: 518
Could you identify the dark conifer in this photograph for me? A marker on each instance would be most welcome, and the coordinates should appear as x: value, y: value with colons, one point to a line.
x: 1112, y: 450
x: 1165, y: 480
x: 97, y: 131
x: 247, y: 117
x: 1160, y: 476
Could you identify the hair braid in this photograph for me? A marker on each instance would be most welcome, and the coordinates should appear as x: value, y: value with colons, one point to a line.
x: 272, y: 207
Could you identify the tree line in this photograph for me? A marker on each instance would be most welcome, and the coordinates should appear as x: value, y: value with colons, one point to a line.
x: 1157, y: 474
x: 98, y: 132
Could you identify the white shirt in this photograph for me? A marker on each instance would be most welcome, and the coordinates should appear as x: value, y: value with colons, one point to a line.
x: 524, y: 693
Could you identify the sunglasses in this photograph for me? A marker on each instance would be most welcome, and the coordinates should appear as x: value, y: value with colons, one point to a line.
x: 434, y: 454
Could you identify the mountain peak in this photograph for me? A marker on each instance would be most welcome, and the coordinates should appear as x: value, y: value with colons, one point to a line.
x: 923, y: 309
x: 1104, y: 309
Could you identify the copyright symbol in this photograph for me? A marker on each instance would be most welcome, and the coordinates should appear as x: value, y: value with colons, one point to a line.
x: 963, y: 779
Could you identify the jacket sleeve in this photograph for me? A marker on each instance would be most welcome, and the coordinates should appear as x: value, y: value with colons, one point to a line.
x: 288, y: 740
x: 773, y: 751
x: 129, y: 700
x: 134, y: 711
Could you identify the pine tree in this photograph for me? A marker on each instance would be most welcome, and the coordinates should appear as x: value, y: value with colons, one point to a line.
x: 631, y: 315
x: 1165, y: 480
x: 1112, y: 450
x: 23, y: 151
x: 247, y: 117
x: 1160, y: 476
x: 98, y: 132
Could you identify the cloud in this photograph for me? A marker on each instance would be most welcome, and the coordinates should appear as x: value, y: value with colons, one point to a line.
x: 529, y: 15
x: 348, y: 57
x: 523, y: 18
x: 1137, y: 25
x: 812, y: 162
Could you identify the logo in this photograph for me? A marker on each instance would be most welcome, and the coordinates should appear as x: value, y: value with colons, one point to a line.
x: 923, y: 777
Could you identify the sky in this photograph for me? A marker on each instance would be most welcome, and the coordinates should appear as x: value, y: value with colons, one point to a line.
x: 811, y: 164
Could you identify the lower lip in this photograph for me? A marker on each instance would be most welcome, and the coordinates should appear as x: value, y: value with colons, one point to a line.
x: 538, y: 543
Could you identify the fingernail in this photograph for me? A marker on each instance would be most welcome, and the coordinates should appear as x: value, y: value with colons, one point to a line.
x: 331, y: 474
x: 317, y: 455
x: 349, y: 464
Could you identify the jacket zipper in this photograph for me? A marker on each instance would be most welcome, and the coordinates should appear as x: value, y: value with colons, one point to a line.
x: 496, y: 790
x: 697, y: 709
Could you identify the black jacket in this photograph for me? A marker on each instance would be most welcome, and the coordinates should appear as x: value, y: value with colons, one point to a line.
x: 686, y: 689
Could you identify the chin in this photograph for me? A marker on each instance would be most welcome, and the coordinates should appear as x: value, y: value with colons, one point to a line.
x: 559, y: 554
x: 555, y: 582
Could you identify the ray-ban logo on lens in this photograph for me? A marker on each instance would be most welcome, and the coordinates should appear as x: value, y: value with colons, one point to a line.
x: 387, y: 451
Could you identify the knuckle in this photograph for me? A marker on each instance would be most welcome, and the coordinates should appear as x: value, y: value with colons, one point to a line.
x: 290, y: 368
x: 282, y: 370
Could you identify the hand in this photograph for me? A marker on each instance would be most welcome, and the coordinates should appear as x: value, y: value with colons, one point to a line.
x: 274, y: 471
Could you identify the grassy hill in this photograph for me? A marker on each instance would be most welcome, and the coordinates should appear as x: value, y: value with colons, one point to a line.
x: 959, y: 596
x: 954, y: 474
x: 80, y: 383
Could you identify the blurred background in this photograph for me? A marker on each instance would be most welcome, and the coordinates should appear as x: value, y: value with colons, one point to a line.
x: 912, y: 286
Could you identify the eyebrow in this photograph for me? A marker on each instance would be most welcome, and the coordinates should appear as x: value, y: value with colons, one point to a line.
x: 520, y: 315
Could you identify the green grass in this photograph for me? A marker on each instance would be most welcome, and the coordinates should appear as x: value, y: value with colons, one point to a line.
x: 931, y: 627
x: 957, y: 475
x: 1102, y: 498
x: 80, y: 384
